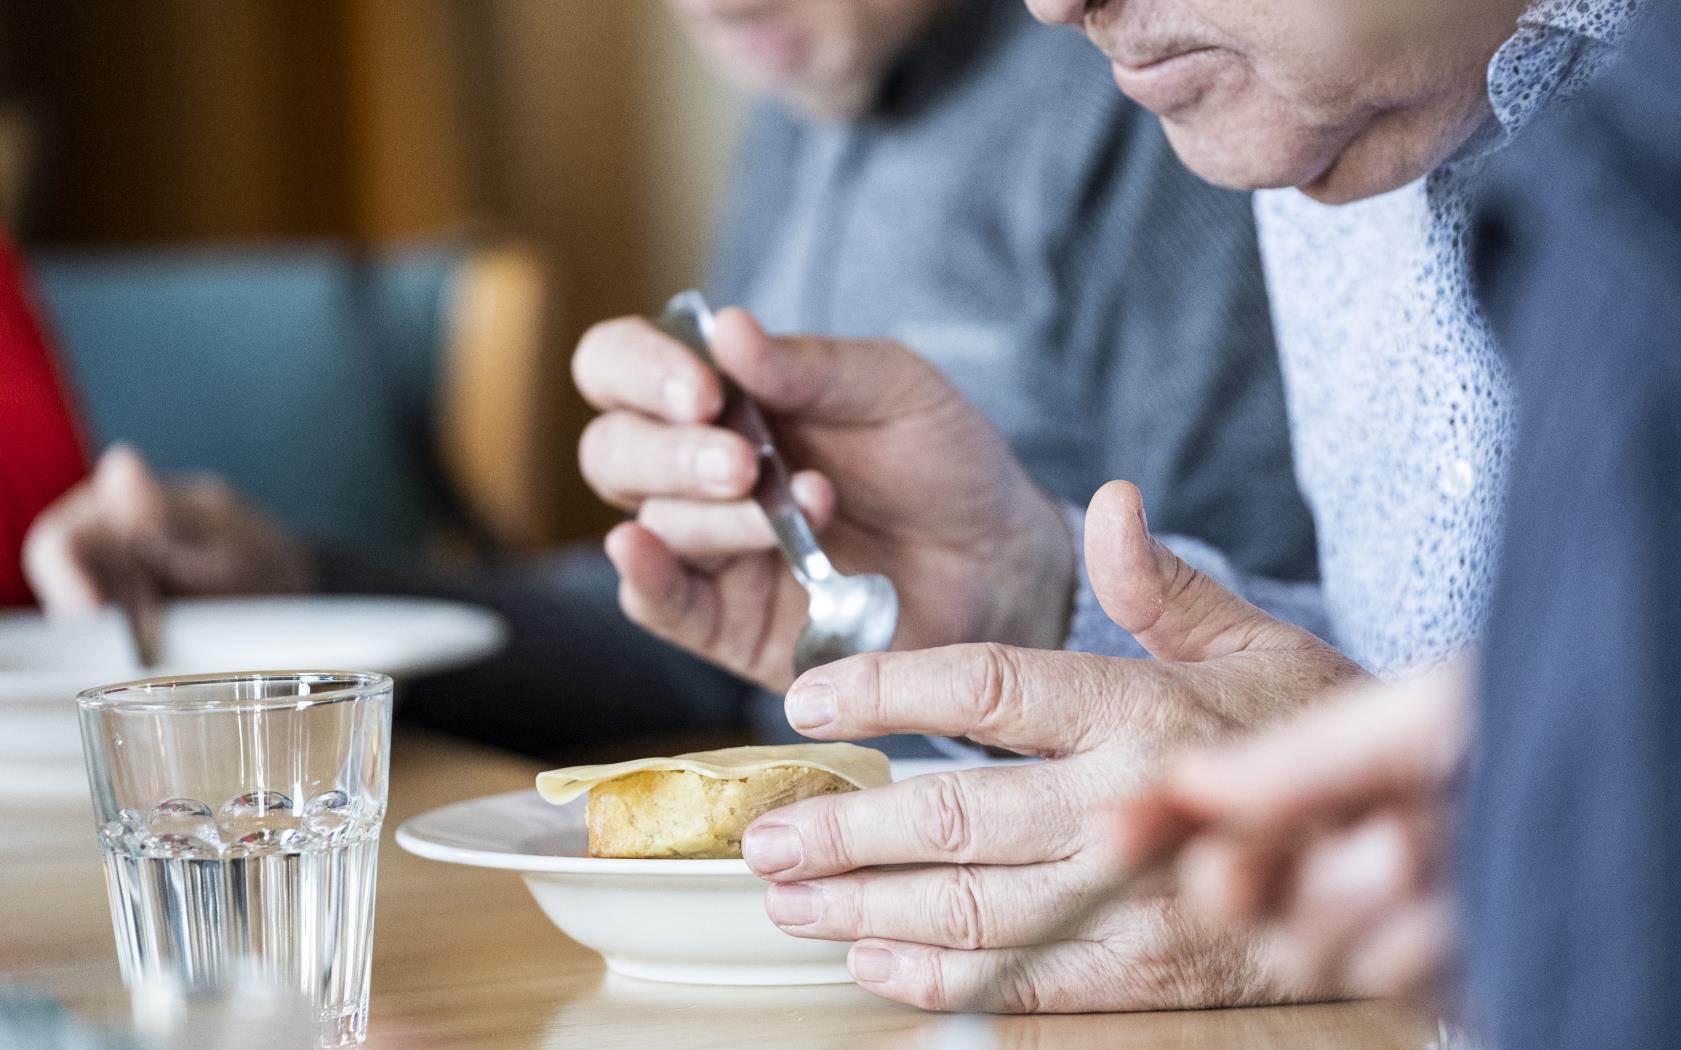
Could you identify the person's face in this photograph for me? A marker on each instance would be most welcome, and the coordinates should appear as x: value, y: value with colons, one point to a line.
x: 825, y: 58
x: 1333, y: 96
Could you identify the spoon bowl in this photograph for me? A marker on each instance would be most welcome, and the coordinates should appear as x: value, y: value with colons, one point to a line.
x: 847, y: 615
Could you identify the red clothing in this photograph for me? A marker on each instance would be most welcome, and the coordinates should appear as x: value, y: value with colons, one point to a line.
x: 41, y: 453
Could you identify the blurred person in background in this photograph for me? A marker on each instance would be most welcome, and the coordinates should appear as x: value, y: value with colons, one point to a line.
x: 1402, y: 414
x: 41, y: 454
x: 946, y: 173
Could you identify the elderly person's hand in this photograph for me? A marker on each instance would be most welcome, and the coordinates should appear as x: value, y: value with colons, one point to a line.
x: 123, y: 533
x: 905, y: 478
x: 1332, y: 832
x: 1002, y: 853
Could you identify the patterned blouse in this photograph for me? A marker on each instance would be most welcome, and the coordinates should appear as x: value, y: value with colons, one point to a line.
x: 1401, y: 410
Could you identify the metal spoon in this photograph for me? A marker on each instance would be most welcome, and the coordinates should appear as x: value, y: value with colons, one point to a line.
x: 846, y: 615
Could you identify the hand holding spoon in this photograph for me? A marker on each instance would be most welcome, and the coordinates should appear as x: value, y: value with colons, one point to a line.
x: 846, y: 615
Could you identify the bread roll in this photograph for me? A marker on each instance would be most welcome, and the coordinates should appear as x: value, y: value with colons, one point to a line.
x: 676, y: 813
x: 698, y: 805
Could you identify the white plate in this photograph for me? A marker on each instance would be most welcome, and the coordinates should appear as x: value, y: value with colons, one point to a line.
x: 43, y: 666
x: 684, y: 921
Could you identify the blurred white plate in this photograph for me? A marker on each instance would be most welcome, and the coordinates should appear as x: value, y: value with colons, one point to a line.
x: 683, y: 921
x: 43, y: 666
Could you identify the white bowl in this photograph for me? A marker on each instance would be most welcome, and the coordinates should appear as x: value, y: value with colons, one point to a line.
x: 687, y: 921
x: 684, y: 921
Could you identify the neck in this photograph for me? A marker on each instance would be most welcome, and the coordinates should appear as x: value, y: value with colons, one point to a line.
x: 1402, y: 144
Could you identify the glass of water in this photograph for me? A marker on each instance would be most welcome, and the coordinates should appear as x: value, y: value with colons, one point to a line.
x: 239, y: 819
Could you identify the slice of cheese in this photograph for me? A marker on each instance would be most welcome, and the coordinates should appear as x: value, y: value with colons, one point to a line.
x: 864, y: 767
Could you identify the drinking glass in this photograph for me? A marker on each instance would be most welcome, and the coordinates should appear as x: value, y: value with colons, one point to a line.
x: 238, y: 817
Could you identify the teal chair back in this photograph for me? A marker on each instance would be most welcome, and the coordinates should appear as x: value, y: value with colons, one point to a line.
x: 306, y: 376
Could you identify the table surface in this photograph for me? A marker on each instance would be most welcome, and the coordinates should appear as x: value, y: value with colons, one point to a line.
x: 464, y: 958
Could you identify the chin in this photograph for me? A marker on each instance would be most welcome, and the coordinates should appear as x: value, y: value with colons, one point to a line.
x: 1243, y: 157
x: 826, y: 106
x: 820, y: 95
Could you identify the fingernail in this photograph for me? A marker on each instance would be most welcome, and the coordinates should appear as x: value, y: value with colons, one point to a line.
x: 873, y: 965
x: 715, y: 465
x: 680, y: 396
x: 812, y: 705
x: 795, y: 905
x: 770, y: 848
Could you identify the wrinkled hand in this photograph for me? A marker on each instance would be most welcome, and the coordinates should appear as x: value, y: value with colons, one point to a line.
x: 902, y: 477
x: 123, y: 530
x: 1331, y: 832
x: 1007, y: 851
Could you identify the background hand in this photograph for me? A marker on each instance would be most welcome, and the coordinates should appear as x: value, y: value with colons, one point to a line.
x: 123, y: 529
x: 902, y: 477
x: 1330, y: 832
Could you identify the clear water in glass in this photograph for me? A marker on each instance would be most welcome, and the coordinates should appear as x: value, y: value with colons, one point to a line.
x: 239, y: 822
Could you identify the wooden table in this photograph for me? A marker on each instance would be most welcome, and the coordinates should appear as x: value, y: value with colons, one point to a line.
x: 463, y: 957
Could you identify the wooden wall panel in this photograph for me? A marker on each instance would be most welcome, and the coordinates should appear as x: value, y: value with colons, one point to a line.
x: 187, y: 119
x: 413, y: 168
x: 584, y: 128
x: 607, y: 145
x: 585, y: 123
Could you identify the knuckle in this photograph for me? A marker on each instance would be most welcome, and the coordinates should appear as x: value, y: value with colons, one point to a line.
x: 998, y: 677
x: 961, y: 911
x: 831, y: 842
x: 1185, y: 584
x: 1204, y: 601
x: 928, y: 985
x: 945, y: 824
x: 1019, y: 994
x: 866, y: 686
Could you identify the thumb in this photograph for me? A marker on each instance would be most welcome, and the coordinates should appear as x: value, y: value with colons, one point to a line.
x: 1175, y: 612
x: 841, y: 382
